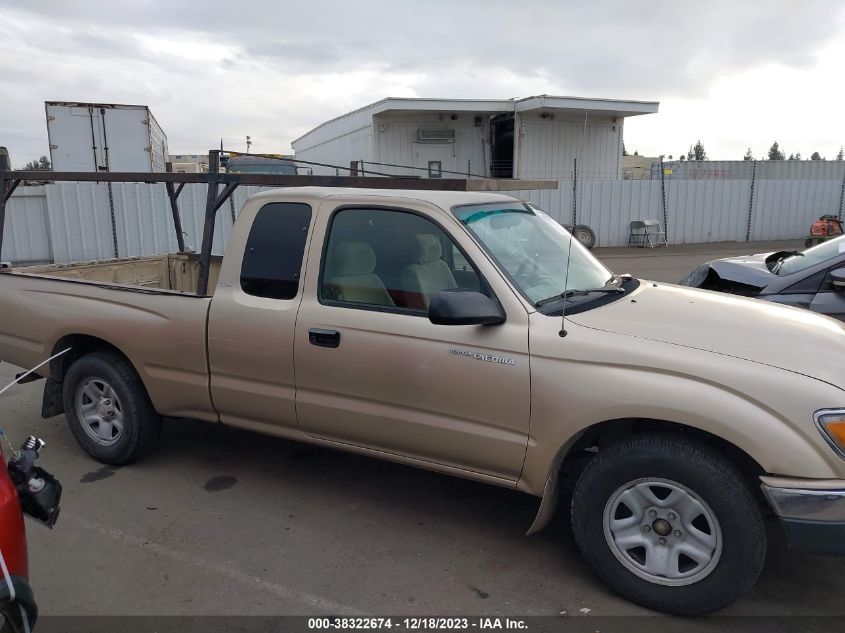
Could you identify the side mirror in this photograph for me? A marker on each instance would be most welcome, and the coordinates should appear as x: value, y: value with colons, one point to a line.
x: 458, y: 306
x: 837, y: 279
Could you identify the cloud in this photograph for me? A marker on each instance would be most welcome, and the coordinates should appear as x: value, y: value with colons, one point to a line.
x: 273, y: 70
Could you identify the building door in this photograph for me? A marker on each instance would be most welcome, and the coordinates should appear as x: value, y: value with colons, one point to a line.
x: 501, y: 146
x: 437, y: 159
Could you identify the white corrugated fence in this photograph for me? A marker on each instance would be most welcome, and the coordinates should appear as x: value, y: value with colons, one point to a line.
x: 66, y: 222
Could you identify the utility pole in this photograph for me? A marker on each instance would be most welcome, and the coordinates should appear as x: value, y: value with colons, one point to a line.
x: 248, y: 143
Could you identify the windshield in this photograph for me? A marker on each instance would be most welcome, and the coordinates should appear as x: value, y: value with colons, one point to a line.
x: 533, y: 249
x: 812, y: 256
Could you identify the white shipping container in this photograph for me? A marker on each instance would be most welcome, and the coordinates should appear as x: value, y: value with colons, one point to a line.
x: 104, y: 137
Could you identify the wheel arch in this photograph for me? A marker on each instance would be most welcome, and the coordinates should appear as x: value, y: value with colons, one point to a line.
x: 571, y: 456
x: 79, y: 345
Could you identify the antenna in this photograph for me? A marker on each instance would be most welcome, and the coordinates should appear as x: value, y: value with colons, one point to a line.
x: 20, y: 377
x: 563, y: 332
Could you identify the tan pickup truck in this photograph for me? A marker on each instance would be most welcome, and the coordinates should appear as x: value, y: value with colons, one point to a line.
x: 429, y: 328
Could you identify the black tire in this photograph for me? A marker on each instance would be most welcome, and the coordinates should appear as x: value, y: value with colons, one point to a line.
x: 585, y: 235
x: 141, y: 424
x: 709, y: 477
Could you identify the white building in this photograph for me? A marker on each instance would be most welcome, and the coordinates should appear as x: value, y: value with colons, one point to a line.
x: 534, y: 137
x: 636, y: 167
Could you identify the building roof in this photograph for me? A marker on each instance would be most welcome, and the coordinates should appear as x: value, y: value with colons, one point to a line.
x: 361, y: 117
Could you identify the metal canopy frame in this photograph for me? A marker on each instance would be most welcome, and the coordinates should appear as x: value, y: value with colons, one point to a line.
x: 9, y: 181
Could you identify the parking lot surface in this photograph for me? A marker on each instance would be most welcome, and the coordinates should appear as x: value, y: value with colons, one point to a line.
x: 225, y: 522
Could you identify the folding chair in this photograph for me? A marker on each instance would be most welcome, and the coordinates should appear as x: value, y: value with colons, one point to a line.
x: 646, y: 233
x: 655, y: 233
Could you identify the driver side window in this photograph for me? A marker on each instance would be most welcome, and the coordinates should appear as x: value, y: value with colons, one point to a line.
x: 390, y: 260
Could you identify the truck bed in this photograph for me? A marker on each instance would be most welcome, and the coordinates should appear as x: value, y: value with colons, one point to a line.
x: 172, y: 271
x: 146, y: 308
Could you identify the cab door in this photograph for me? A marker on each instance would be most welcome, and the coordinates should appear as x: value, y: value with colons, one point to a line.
x: 372, y: 370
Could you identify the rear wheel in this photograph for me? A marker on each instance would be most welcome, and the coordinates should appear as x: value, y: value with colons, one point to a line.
x: 669, y: 524
x: 108, y: 409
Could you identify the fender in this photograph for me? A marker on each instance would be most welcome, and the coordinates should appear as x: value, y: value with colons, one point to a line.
x: 548, y: 504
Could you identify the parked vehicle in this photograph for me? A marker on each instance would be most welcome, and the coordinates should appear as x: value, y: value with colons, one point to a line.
x: 106, y: 137
x: 263, y: 164
x: 428, y: 328
x: 24, y: 489
x: 813, y: 279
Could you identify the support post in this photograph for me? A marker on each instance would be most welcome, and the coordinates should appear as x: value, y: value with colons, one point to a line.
x: 5, y: 185
x: 232, y: 210
x: 575, y: 193
x: 751, y: 203
x: 663, y: 201
x: 173, y: 194
x: 208, y: 226
x: 842, y: 197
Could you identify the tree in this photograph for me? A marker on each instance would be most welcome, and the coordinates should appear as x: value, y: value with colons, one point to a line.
x: 624, y: 151
x: 42, y: 164
x: 841, y: 153
x: 690, y: 154
x: 796, y: 156
x: 815, y: 156
x: 683, y: 157
x: 748, y: 155
x: 698, y: 151
x: 775, y: 153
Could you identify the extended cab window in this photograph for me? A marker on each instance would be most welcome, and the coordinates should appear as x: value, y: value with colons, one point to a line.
x: 274, y: 250
x: 391, y: 259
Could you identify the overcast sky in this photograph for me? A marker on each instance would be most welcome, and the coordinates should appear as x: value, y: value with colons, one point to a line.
x: 734, y: 74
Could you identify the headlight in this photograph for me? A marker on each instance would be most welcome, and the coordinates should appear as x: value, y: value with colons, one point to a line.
x: 831, y: 423
x: 697, y: 276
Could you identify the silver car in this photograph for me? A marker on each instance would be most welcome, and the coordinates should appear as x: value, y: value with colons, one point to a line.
x: 813, y: 279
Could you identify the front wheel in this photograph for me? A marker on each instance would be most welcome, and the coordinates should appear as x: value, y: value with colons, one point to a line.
x: 669, y: 524
x: 108, y: 409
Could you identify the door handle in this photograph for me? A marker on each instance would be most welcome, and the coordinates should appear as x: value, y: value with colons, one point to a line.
x: 324, y: 338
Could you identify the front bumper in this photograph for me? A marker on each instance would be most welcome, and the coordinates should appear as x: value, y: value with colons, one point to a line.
x: 813, y: 518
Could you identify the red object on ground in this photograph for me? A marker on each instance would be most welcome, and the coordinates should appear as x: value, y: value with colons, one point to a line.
x: 826, y: 226
x: 12, y: 529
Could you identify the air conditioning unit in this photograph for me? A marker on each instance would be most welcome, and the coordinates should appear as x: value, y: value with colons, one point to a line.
x: 435, y: 135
